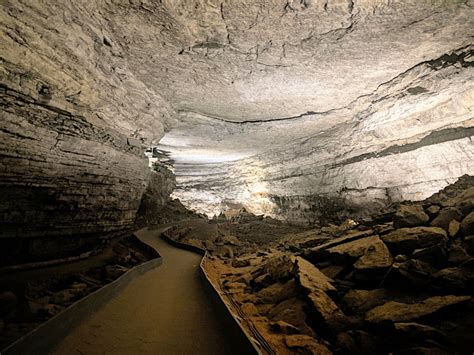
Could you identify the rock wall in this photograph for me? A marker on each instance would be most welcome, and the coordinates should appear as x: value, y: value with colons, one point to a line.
x: 290, y: 108
x: 73, y: 131
x: 408, y: 139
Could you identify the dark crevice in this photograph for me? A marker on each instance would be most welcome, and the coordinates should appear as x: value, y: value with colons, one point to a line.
x: 436, y: 137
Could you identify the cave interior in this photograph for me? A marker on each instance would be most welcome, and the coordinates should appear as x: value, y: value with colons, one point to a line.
x: 320, y: 151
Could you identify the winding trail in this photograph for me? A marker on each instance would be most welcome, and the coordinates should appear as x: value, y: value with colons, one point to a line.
x: 164, y: 311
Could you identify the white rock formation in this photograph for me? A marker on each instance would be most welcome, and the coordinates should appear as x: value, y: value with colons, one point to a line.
x: 290, y: 108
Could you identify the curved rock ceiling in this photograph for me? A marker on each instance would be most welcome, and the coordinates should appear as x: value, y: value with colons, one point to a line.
x: 287, y: 107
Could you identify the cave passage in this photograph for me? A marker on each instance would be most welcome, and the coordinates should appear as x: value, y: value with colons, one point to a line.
x: 323, y: 151
x: 165, y: 311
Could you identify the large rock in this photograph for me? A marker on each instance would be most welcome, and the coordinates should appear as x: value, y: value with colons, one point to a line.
x: 310, y: 278
x: 445, y: 216
x: 455, y: 278
x: 376, y: 258
x: 458, y: 254
x: 325, y: 311
x: 241, y: 262
x: 277, y: 292
x: 465, y: 200
x: 279, y: 267
x: 406, y: 240
x: 453, y: 228
x: 433, y: 210
x: 320, y: 253
x: 262, y: 281
x: 467, y: 224
x: 353, y: 250
x: 403, y: 312
x: 435, y: 254
x: 410, y: 216
x: 363, y: 300
x: 291, y: 311
x: 413, y: 273
x: 356, y: 342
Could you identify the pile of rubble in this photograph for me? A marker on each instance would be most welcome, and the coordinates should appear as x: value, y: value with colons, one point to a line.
x: 399, y: 283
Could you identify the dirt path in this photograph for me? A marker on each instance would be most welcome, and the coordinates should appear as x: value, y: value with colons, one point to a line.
x: 165, y: 311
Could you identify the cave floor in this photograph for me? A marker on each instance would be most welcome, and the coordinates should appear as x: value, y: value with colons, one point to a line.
x: 165, y: 311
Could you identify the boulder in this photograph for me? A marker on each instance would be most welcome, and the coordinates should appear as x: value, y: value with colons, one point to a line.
x: 363, y: 300
x: 467, y: 224
x: 324, y: 311
x: 457, y: 254
x: 404, y: 312
x: 417, y: 272
x: 245, y: 278
x: 376, y: 258
x: 356, y: 342
x: 453, y: 228
x: 434, y: 254
x: 333, y: 271
x: 280, y: 267
x: 291, y: 311
x: 445, y: 216
x: 410, y: 216
x: 319, y: 253
x: 304, y: 344
x: 223, y: 252
x: 235, y: 285
x: 262, y: 281
x: 406, y: 240
x: 353, y: 250
x: 240, y: 262
x: 433, y: 210
x: 464, y: 201
x: 249, y: 309
x: 310, y: 278
x: 455, y: 278
x: 277, y: 292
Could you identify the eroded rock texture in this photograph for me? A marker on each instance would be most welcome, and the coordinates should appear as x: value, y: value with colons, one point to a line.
x: 404, y: 141
x: 295, y: 109
x: 74, y: 120
x: 329, y: 106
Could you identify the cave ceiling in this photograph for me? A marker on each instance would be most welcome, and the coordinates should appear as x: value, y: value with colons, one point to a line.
x: 261, y: 98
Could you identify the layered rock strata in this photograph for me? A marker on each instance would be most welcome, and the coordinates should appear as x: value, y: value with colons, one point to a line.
x: 353, y: 105
x: 405, y: 141
x: 73, y: 128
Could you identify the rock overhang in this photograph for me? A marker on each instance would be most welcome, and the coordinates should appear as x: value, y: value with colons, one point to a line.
x: 276, y: 105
